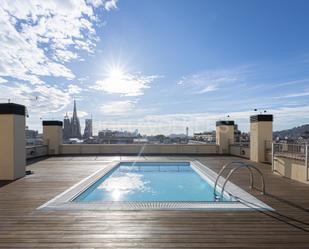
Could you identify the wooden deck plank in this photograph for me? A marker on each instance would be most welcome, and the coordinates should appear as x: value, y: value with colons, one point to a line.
x: 22, y: 226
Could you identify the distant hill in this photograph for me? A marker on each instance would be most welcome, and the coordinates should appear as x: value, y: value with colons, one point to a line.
x: 295, y: 132
x: 177, y: 135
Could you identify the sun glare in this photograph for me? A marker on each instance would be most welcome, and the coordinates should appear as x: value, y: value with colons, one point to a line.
x: 116, y: 73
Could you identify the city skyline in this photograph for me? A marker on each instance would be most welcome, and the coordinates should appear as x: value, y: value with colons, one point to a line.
x: 157, y: 66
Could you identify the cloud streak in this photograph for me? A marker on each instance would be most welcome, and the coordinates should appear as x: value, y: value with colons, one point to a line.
x: 209, y: 81
x: 204, y: 121
x: 293, y: 95
x: 118, y: 107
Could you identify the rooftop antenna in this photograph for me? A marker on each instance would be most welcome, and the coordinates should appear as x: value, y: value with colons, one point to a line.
x: 8, y: 100
x: 26, y: 109
x: 27, y: 112
x: 261, y: 111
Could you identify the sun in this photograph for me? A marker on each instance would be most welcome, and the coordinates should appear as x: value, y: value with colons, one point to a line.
x: 116, y: 73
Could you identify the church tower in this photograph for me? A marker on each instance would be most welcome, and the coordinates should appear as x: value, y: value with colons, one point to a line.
x: 75, y: 125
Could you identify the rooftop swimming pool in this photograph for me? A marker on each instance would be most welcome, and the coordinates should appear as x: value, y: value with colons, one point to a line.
x: 144, y: 181
x: 144, y: 185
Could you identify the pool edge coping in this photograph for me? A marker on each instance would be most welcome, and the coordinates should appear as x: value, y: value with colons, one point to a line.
x: 63, y: 201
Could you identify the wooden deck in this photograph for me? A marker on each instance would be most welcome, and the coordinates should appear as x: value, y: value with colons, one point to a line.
x: 22, y: 226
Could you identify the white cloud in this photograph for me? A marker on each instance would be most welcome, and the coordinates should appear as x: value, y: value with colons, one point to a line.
x: 118, y: 107
x: 2, y: 80
x: 40, y: 99
x: 209, y: 88
x: 125, y: 84
x: 110, y: 4
x: 80, y: 114
x: 293, y: 95
x: 291, y: 82
x: 74, y: 89
x: 208, y: 81
x: 38, y: 37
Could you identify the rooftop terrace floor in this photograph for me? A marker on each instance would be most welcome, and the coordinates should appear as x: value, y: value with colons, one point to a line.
x: 23, y: 226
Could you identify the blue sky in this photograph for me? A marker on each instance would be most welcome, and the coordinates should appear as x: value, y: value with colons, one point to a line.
x: 157, y: 65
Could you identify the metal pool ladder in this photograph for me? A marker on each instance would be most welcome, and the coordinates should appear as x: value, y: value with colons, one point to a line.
x: 234, y: 169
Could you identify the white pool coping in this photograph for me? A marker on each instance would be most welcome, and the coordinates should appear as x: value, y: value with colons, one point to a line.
x: 243, y: 200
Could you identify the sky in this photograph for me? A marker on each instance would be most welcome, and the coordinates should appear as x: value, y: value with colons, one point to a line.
x: 156, y: 65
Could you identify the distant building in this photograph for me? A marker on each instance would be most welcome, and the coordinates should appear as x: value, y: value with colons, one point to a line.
x: 135, y: 133
x: 31, y: 134
x: 32, y: 137
x: 116, y: 137
x: 244, y: 137
x: 237, y: 134
x: 66, y: 127
x: 208, y: 137
x: 140, y: 141
x: 88, y: 129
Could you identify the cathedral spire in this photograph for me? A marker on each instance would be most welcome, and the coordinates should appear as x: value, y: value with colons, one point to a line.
x: 74, y: 109
x: 75, y: 125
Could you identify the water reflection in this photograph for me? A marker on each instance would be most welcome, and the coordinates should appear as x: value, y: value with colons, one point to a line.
x: 124, y: 184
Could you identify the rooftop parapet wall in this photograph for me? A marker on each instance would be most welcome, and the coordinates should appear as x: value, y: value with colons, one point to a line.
x: 291, y: 160
x: 294, y: 169
x: 240, y: 150
x: 138, y: 149
x: 36, y: 151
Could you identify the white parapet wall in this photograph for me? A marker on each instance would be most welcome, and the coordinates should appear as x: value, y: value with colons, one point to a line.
x: 241, y: 151
x: 291, y: 168
x: 135, y: 149
x: 36, y: 151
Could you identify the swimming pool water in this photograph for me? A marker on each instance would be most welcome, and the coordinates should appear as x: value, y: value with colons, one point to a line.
x: 144, y: 181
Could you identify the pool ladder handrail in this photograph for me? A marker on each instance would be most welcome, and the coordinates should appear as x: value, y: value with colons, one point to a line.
x: 221, y: 172
x: 241, y: 165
